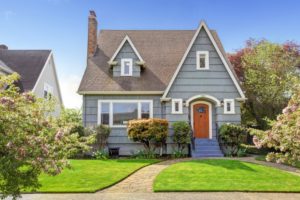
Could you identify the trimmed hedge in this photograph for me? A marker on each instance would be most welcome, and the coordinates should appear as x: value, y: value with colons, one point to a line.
x: 148, y: 131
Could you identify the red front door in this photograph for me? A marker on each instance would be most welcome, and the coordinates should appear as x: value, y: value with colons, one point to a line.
x: 201, y: 120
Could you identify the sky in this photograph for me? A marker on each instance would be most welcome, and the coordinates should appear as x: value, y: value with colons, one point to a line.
x: 61, y: 25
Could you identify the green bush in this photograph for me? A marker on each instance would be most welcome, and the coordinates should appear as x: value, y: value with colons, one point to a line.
x: 232, y: 136
x: 149, y: 132
x: 102, y: 134
x: 143, y: 154
x: 181, y: 134
x: 178, y: 154
x: 101, y: 155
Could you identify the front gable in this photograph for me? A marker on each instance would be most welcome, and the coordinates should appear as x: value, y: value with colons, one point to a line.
x: 218, y: 80
x: 126, y: 51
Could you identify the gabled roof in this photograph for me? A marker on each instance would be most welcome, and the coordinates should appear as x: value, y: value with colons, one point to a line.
x: 126, y: 39
x: 220, y: 50
x: 162, y: 50
x: 27, y: 63
x: 5, y: 68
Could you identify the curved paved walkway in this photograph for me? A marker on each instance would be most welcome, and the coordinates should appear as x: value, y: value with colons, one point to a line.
x: 142, y: 180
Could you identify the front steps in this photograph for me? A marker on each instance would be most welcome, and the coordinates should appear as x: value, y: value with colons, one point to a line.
x: 206, y: 148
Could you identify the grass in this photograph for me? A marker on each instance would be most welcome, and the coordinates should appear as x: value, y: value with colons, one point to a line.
x: 225, y: 175
x: 263, y: 158
x: 91, y: 175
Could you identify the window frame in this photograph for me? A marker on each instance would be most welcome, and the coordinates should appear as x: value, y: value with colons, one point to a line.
x: 232, y: 106
x: 180, y: 106
x: 206, y: 53
x: 48, y: 88
x: 111, y: 102
x: 123, y: 60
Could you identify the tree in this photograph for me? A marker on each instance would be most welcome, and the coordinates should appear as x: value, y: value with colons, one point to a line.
x: 182, y: 132
x: 73, y: 117
x: 284, y: 136
x: 268, y: 73
x: 31, y: 140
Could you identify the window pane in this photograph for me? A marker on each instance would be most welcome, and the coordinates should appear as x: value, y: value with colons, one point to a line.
x: 228, y: 105
x: 105, y: 113
x: 176, y: 106
x: 123, y: 112
x: 202, y: 60
x: 145, y: 112
x: 126, y: 67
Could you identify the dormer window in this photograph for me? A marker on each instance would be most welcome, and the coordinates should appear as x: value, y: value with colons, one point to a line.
x: 126, y: 67
x: 202, y: 60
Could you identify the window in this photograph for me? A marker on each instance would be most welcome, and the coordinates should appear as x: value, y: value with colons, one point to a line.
x: 117, y: 113
x: 48, y: 91
x: 105, y: 113
x: 126, y: 67
x: 176, y: 106
x: 202, y: 60
x: 229, y: 106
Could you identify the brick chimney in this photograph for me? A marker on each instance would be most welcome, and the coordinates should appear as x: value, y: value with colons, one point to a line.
x: 92, y: 33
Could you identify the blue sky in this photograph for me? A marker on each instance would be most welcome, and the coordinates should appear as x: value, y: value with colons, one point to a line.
x: 61, y: 25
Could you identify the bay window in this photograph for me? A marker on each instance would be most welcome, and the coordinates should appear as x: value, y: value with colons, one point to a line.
x: 117, y: 113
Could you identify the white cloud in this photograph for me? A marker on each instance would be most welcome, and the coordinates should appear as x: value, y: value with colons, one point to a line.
x: 69, y: 86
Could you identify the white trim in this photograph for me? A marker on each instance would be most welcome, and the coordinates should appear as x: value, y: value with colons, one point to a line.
x: 138, y: 101
x: 123, y: 60
x: 232, y: 106
x: 203, y: 96
x: 210, y: 115
x: 179, y: 101
x: 203, y: 25
x: 55, y: 75
x: 206, y: 53
x: 121, y: 92
x: 121, y: 45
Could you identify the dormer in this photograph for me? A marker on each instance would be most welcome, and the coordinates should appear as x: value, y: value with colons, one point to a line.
x: 126, y: 61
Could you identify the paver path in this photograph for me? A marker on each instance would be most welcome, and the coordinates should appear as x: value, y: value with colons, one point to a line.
x: 142, y: 180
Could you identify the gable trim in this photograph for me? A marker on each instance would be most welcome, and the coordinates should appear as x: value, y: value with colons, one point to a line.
x: 55, y: 75
x: 203, y: 25
x: 126, y: 38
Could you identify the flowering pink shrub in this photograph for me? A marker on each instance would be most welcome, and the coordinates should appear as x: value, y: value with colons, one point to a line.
x: 31, y: 140
x: 284, y: 136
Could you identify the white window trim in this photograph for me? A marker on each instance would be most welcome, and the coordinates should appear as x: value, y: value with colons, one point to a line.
x: 206, y: 53
x: 232, y: 105
x: 180, y: 111
x: 139, y: 102
x: 48, y: 88
x: 123, y: 60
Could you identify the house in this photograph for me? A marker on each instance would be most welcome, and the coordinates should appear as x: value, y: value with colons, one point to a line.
x: 37, y: 71
x: 179, y: 75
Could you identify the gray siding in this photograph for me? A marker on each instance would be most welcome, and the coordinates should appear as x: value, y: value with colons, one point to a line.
x: 215, y: 82
x: 127, y: 52
x: 48, y: 76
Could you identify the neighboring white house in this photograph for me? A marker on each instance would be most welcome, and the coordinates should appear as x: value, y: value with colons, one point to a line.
x: 37, y: 71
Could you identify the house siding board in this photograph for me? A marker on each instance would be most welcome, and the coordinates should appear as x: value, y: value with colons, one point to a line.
x: 215, y: 82
x: 127, y: 52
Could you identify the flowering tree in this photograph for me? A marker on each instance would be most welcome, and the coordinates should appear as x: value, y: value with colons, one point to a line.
x: 284, y: 137
x: 31, y: 140
x: 268, y: 73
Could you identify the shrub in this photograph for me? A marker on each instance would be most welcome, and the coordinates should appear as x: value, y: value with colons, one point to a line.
x: 101, y: 155
x: 232, y: 136
x: 178, y: 154
x: 284, y: 136
x: 148, y: 131
x: 102, y: 134
x: 143, y: 154
x: 181, y: 134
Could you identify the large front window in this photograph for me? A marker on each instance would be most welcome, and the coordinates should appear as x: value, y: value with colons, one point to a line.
x: 117, y: 113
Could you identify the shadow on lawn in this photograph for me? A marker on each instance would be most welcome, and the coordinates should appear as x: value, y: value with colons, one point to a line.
x: 227, y: 164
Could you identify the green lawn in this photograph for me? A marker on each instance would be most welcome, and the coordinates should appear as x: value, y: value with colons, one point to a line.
x: 91, y: 175
x: 263, y: 158
x: 225, y: 175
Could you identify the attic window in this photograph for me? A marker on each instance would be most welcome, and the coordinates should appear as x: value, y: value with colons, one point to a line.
x: 229, y: 106
x: 48, y: 91
x: 126, y: 67
x: 202, y: 60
